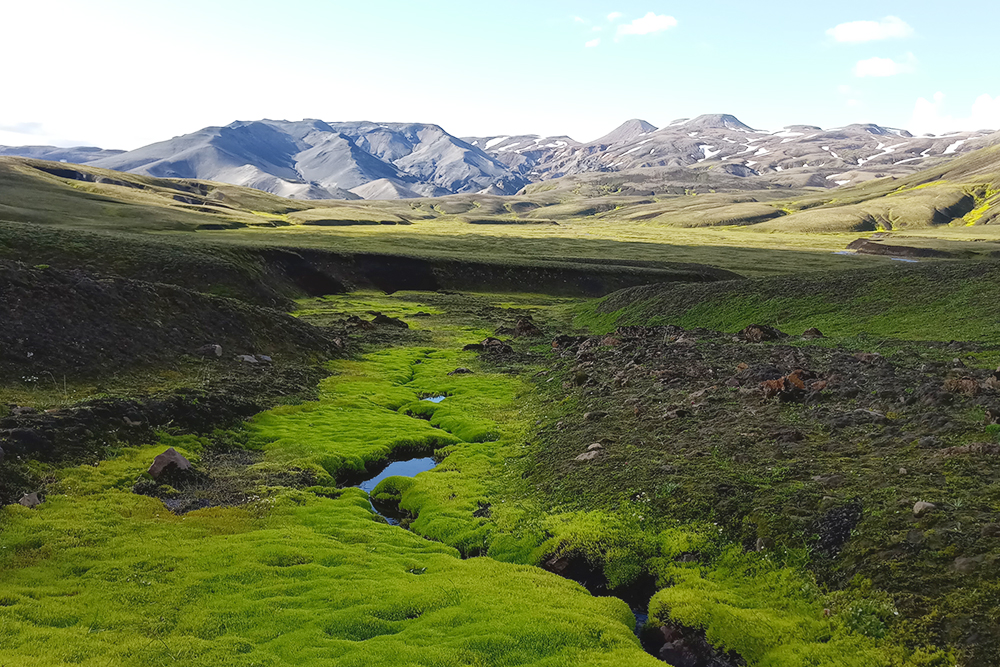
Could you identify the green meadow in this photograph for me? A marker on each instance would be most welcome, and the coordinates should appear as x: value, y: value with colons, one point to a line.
x: 98, y: 575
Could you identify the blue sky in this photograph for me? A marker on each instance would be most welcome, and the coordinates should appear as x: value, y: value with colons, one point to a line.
x: 122, y: 74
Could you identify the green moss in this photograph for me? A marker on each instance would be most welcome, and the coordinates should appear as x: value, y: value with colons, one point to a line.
x: 98, y: 576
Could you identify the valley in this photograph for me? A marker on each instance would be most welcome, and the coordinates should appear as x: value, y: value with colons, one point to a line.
x: 680, y: 415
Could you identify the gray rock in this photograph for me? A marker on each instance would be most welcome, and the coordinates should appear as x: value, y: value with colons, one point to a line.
x: 171, y: 457
x: 595, y: 447
x: 588, y: 455
x: 265, y: 358
x: 209, y: 351
x: 967, y: 565
x: 247, y: 358
x: 921, y: 508
x: 30, y: 500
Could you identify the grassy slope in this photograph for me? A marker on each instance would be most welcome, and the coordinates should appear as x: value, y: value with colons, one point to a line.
x: 611, y: 229
x: 943, y: 301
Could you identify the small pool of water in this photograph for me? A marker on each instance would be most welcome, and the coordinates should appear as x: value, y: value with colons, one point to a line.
x: 407, y: 468
x: 398, y: 469
x: 434, y: 399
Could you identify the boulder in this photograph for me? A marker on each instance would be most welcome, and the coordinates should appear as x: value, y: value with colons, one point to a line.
x: 385, y: 320
x: 210, y: 350
x: 758, y: 333
x: 589, y: 455
x: 525, y: 328
x: 169, y: 458
x: 967, y: 565
x: 30, y: 500
x: 921, y: 508
x: 247, y: 358
x: 812, y: 333
x: 496, y: 346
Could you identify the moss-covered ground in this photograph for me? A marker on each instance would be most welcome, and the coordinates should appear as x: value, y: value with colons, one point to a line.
x: 307, y: 574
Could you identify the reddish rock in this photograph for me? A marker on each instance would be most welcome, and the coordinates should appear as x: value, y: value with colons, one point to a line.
x: 171, y: 457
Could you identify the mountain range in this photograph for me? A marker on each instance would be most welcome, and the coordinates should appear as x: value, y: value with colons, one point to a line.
x: 313, y: 159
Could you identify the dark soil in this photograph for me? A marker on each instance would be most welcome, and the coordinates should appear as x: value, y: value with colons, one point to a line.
x: 794, y: 443
x: 77, y: 324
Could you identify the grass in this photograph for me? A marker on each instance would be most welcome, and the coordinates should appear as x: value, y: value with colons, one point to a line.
x: 928, y: 302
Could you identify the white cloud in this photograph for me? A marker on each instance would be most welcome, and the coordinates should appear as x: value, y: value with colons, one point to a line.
x: 880, y: 67
x: 929, y: 117
x: 648, y: 24
x: 891, y: 27
x: 614, y: 15
x: 577, y: 19
x: 592, y: 43
x: 596, y: 28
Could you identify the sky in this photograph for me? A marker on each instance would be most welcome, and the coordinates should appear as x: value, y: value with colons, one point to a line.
x: 126, y: 73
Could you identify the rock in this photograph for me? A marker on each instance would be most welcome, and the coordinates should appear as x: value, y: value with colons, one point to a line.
x: 473, y: 347
x: 594, y: 416
x: 247, y: 358
x: 677, y: 654
x: 461, y: 371
x: 921, y: 508
x: 701, y: 393
x: 758, y: 333
x: 525, y: 328
x: 496, y: 346
x: 30, y: 500
x: 209, y: 351
x: 595, y: 447
x: 355, y: 322
x: 902, y: 471
x: 929, y: 442
x: 265, y: 358
x: 589, y: 455
x: 171, y: 457
x: 967, y: 565
x: 812, y: 333
x: 976, y: 448
x: 991, y: 530
x: 385, y: 320
x: 963, y: 385
x: 829, y: 481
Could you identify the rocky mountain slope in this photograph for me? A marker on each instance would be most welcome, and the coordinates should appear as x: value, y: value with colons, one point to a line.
x: 797, y: 155
x: 313, y: 159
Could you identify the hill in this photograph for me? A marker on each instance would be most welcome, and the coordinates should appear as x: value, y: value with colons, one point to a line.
x: 313, y: 159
